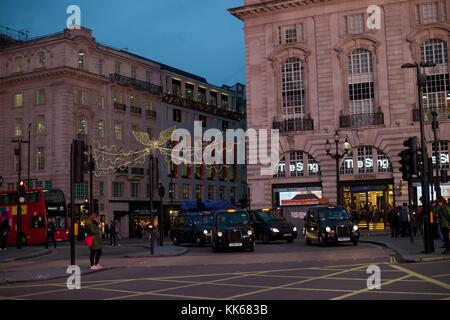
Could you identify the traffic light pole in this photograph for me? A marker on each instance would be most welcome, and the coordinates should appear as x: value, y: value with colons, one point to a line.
x: 91, y: 181
x: 152, y: 231
x: 437, y: 154
x: 427, y: 234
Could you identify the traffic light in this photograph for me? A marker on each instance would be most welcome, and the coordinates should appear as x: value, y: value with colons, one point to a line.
x: 444, y: 176
x: 85, y: 207
x: 21, y: 191
x: 409, y: 159
x: 80, y: 160
x: 404, y: 167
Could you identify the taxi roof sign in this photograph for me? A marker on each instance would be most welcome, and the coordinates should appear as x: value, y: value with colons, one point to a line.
x: 231, y: 210
x: 265, y: 210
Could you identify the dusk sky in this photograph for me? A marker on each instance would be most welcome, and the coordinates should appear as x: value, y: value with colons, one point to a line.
x: 198, y: 36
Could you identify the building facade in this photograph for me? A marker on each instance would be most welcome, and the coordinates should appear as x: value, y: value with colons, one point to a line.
x: 314, y: 67
x: 68, y: 86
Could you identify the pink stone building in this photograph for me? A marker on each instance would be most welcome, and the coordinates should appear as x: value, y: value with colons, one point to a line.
x: 68, y: 85
x: 314, y: 67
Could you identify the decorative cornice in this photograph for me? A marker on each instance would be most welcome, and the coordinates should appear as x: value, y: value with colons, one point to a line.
x: 269, y: 6
x: 54, y: 72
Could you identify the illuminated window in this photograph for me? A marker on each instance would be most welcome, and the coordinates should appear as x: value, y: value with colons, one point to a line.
x: 40, y: 125
x: 189, y: 91
x: 82, y: 128
x: 313, y: 166
x: 18, y: 127
x: 18, y: 64
x: 41, y: 59
x: 18, y: 100
x: 293, y: 88
x: 281, y: 169
x: 296, y: 164
x: 101, y: 128
x: 360, y: 82
x: 436, y: 95
x: 198, y: 192
x: 213, y: 98
x: 442, y: 155
x: 40, y: 96
x: 81, y: 59
x: 186, y: 191
x: 118, y: 131
x: 365, y: 160
x: 40, y: 158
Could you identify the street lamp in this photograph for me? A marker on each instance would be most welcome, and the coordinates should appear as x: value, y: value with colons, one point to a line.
x: 337, y: 157
x: 421, y: 83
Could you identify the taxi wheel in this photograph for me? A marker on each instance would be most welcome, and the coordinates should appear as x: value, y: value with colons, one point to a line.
x: 308, y: 242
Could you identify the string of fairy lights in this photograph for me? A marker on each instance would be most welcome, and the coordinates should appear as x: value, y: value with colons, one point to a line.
x: 113, y: 159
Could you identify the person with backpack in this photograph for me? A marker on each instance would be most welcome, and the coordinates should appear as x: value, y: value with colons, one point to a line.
x: 51, y: 229
x: 95, y: 243
x: 4, y: 230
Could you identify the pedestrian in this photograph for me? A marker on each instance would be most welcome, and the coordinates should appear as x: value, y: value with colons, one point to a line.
x: 51, y: 229
x: 4, y: 230
x: 393, y: 221
x: 96, y: 248
x: 444, y: 215
x: 112, y: 232
x: 106, y: 231
x: 404, y: 219
x: 118, y: 232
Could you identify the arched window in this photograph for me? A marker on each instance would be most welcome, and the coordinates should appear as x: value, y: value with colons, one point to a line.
x: 293, y: 88
x: 41, y: 59
x: 299, y: 164
x: 436, y: 94
x: 281, y: 168
x: 81, y: 56
x: 82, y: 127
x: 365, y: 159
x: 18, y: 64
x: 360, y: 82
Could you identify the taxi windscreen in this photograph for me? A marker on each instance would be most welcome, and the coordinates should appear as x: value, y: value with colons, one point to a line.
x: 202, y: 219
x: 333, y: 214
x: 232, y: 218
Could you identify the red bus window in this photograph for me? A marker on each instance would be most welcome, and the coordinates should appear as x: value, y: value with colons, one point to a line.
x: 37, y: 222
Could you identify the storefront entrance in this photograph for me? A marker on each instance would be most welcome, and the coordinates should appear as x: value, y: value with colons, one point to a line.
x: 369, y: 204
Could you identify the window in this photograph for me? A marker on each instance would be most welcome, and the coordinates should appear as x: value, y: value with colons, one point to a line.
x: 117, y: 189
x: 213, y: 98
x: 355, y: 24
x: 360, y: 80
x: 102, y: 188
x: 202, y: 118
x: 436, y: 95
x: 40, y: 125
x: 101, y: 128
x: 210, y: 192
x: 81, y: 59
x: 40, y: 158
x: 189, y: 91
x: 38, y: 184
x: 296, y: 164
x: 176, y: 115
x: 313, y: 166
x: 201, y: 95
x: 18, y: 100
x: 198, y: 191
x: 133, y: 72
x: 48, y: 184
x: 101, y: 102
x: 442, y: 156
x: 134, y: 190
x: 293, y: 90
x: 100, y: 66
x: 82, y: 128
x: 427, y: 13
x: 40, y: 96
x: 148, y: 76
x: 281, y: 169
x: 41, y: 59
x: 18, y: 64
x: 172, y: 188
x: 18, y: 127
x: 365, y: 160
x: 347, y: 164
x: 118, y: 131
x: 224, y: 101
x: 117, y: 67
x: 383, y: 162
x: 82, y: 97
x: 287, y: 34
x: 186, y: 191
x: 222, y: 191
x: 176, y: 87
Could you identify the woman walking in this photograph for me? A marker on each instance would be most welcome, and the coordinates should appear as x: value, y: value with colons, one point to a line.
x: 96, y: 248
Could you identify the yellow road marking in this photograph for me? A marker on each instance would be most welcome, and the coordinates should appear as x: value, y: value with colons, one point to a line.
x: 423, y: 277
x: 354, y: 293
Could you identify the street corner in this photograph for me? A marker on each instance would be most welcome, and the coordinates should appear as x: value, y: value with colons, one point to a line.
x: 169, y: 251
x: 14, y: 254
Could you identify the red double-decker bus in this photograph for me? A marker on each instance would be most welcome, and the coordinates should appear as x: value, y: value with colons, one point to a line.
x: 40, y: 205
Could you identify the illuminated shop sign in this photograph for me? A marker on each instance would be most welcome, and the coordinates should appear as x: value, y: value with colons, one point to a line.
x: 299, y: 167
x: 367, y: 163
x: 444, y: 158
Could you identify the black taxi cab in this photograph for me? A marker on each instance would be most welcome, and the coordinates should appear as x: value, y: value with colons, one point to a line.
x: 232, y: 229
x: 192, y: 228
x: 328, y: 223
x: 270, y: 226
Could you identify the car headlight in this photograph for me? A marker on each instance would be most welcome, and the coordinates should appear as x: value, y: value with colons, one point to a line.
x: 355, y: 228
x: 328, y: 229
x: 295, y: 229
x: 205, y: 232
x: 219, y: 234
x: 275, y: 230
x: 249, y: 232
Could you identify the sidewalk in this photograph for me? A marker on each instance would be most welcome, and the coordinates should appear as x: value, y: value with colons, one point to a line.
x: 14, y: 254
x: 410, y: 252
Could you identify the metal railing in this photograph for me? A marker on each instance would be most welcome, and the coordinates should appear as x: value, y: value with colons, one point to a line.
x: 135, y: 110
x: 362, y: 120
x: 293, y: 125
x: 150, y: 113
x: 152, y: 88
x: 120, y: 106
